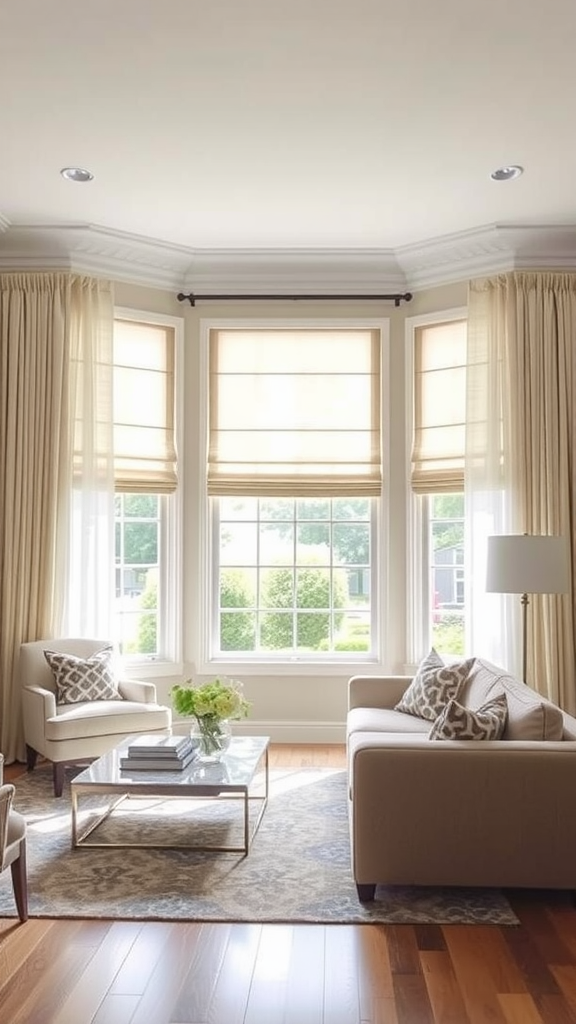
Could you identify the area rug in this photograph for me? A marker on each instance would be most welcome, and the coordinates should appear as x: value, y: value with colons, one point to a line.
x: 297, y: 870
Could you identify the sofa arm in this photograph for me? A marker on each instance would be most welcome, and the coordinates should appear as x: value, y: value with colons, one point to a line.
x: 497, y: 813
x: 38, y: 705
x: 376, y: 691
x: 135, y: 689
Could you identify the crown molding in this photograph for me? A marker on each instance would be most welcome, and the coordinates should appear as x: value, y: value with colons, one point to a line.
x: 305, y: 271
x: 134, y: 259
x: 494, y: 249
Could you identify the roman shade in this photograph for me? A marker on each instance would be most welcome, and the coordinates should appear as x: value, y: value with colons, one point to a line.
x: 144, y: 445
x: 295, y: 412
x: 439, y: 408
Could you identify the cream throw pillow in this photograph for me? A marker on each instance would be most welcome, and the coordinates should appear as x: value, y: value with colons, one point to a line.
x: 83, y: 679
x: 434, y: 684
x: 459, y: 723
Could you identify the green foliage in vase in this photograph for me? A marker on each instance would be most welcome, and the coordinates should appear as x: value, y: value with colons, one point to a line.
x: 220, y: 698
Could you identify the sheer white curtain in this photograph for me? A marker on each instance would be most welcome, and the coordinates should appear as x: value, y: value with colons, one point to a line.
x: 490, y: 509
x: 519, y: 461
x: 87, y: 548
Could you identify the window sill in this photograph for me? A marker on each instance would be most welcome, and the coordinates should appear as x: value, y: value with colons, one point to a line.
x: 296, y: 667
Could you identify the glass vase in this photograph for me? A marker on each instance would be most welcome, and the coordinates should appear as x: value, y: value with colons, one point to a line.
x: 212, y: 736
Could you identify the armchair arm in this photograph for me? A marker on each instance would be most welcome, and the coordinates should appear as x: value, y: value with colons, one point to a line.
x: 135, y: 689
x: 376, y: 691
x: 6, y: 798
x: 38, y: 705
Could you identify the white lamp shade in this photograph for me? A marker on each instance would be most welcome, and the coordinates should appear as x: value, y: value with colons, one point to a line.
x: 527, y: 564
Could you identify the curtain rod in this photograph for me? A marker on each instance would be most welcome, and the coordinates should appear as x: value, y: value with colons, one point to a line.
x: 397, y: 298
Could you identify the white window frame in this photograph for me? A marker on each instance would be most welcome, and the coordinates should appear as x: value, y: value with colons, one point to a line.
x: 418, y: 610
x: 329, y: 664
x: 170, y: 554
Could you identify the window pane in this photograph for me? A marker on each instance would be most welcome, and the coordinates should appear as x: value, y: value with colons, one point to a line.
x: 308, y: 598
x: 238, y: 543
x: 447, y: 585
x: 140, y: 542
x: 137, y: 535
x: 237, y: 631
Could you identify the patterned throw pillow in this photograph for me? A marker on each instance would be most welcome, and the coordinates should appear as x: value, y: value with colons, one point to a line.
x: 433, y: 686
x: 459, y: 723
x: 81, y: 679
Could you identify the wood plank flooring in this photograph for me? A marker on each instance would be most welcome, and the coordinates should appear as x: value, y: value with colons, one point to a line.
x: 125, y: 972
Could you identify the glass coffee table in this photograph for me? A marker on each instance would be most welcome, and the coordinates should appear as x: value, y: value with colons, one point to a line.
x: 238, y: 776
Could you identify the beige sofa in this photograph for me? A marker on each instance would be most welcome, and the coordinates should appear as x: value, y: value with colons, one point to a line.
x: 460, y: 812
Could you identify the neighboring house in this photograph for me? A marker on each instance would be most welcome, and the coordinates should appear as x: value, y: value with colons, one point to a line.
x: 449, y: 577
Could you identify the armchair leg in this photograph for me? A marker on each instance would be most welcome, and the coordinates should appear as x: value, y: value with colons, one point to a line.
x: 58, y: 776
x: 31, y: 756
x: 20, y: 883
x: 366, y: 892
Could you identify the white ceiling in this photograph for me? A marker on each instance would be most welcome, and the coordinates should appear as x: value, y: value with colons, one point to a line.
x: 218, y: 127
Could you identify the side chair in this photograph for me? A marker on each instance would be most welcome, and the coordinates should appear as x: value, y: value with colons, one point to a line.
x: 13, y: 845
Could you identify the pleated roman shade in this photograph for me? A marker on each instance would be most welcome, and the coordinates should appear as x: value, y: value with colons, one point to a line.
x: 295, y: 412
x: 144, y: 445
x: 439, y: 408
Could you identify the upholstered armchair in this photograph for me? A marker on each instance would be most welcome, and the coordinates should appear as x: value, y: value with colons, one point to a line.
x: 13, y: 846
x: 75, y: 708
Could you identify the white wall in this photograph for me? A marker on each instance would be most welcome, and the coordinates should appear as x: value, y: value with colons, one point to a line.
x: 294, y: 708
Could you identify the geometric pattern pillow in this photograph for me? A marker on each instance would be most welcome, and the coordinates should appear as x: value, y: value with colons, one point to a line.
x: 81, y: 679
x: 433, y: 686
x: 459, y: 723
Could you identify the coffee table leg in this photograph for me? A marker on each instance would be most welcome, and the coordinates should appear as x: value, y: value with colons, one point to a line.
x: 246, y: 823
x: 74, y: 818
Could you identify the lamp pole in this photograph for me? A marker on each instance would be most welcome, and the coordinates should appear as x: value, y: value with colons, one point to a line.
x: 524, y: 603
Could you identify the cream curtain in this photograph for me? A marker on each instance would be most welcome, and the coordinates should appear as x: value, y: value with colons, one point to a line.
x: 520, y: 461
x: 43, y: 319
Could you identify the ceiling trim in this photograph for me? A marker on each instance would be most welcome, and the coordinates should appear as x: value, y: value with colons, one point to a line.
x: 90, y: 249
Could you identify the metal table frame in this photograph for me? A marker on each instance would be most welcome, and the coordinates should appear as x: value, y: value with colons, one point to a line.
x: 195, y: 783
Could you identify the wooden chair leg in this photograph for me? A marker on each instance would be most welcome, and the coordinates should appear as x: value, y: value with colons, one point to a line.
x: 58, y: 775
x: 31, y: 756
x: 20, y: 883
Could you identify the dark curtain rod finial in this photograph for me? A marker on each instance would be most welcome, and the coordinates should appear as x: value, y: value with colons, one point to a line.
x: 396, y: 298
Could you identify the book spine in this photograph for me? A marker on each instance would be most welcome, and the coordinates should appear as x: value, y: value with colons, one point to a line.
x: 159, y: 754
x: 132, y: 763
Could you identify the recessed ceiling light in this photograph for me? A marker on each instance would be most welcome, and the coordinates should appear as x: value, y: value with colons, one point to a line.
x: 76, y: 174
x: 507, y: 173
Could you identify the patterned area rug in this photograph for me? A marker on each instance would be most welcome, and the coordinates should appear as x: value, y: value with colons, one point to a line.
x: 298, y: 868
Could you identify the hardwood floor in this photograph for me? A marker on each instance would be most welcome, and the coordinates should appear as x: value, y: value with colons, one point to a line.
x: 122, y: 972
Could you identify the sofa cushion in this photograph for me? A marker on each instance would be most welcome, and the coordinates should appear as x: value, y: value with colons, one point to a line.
x: 530, y: 716
x: 83, y: 679
x: 434, y: 684
x: 383, y: 720
x: 104, y: 718
x: 459, y: 723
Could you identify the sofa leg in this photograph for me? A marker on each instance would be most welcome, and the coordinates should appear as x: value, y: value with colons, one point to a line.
x: 58, y: 775
x: 31, y: 756
x: 365, y: 892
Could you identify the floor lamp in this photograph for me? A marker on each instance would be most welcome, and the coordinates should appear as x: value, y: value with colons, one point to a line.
x: 527, y: 564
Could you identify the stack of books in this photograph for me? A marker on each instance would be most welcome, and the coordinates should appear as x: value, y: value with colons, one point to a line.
x: 159, y: 753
